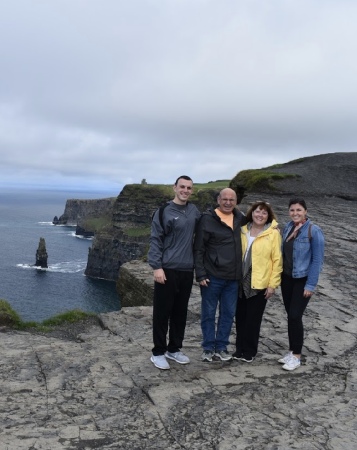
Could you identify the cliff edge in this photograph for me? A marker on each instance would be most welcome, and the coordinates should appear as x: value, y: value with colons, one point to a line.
x: 331, y: 174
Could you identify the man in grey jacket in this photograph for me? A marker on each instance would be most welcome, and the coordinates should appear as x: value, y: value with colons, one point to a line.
x: 171, y: 257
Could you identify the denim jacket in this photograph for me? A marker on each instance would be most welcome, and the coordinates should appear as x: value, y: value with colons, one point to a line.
x: 308, y: 254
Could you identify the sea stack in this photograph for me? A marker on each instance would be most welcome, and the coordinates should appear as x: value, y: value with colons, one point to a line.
x: 41, y: 254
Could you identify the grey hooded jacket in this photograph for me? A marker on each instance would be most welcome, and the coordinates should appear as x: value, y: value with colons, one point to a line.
x: 171, y: 246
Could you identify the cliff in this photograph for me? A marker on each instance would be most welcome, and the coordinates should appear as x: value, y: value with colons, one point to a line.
x: 331, y: 175
x: 125, y: 234
x: 77, y: 210
x: 135, y: 284
x: 127, y: 238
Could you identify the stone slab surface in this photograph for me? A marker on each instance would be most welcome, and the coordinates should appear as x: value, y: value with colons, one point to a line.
x: 102, y: 391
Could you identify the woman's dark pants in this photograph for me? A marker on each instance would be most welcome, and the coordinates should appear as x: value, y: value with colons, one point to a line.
x: 292, y: 290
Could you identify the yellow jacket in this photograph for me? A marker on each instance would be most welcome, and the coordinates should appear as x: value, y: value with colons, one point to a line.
x: 267, y: 261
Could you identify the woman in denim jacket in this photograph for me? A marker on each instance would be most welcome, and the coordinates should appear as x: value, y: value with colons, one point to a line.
x: 303, y: 254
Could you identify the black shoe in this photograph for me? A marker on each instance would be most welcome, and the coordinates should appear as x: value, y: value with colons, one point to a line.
x: 223, y: 355
x: 237, y: 356
x: 247, y: 359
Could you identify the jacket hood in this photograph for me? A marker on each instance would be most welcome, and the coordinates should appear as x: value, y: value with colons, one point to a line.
x: 274, y: 224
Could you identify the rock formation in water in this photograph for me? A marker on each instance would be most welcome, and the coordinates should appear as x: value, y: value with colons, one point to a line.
x: 41, y: 254
x: 82, y: 231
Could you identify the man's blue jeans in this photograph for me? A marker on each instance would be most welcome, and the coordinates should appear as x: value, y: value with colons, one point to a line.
x: 223, y: 293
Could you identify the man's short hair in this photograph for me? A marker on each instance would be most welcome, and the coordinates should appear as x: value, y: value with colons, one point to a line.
x: 185, y: 177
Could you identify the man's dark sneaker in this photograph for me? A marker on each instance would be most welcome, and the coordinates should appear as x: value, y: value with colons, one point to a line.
x: 207, y: 355
x: 237, y: 356
x: 223, y: 355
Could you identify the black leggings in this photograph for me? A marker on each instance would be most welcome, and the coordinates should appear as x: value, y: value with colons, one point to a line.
x: 292, y: 290
x: 249, y: 317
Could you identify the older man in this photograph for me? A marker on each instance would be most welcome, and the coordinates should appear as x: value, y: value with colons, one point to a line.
x: 218, y: 266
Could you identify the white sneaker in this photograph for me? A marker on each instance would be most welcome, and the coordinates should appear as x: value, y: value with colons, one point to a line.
x: 285, y: 358
x: 178, y: 357
x: 160, y: 362
x: 292, y: 364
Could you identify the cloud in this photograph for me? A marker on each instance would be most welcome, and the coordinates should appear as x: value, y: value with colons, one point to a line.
x: 116, y: 91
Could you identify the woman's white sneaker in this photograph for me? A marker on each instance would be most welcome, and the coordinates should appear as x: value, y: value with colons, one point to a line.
x: 285, y: 358
x: 292, y: 364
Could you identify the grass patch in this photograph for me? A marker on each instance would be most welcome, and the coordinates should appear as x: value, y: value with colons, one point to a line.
x: 137, y: 232
x: 218, y: 184
x: 259, y: 179
x: 10, y: 318
x: 96, y: 224
x: 75, y: 315
x: 203, y: 193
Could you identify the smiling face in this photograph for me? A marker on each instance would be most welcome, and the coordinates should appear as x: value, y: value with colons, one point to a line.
x: 227, y: 201
x: 183, y: 190
x: 297, y: 212
x: 260, y: 216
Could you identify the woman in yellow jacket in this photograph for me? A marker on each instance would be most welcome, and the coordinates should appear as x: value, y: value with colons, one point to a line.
x: 262, y: 267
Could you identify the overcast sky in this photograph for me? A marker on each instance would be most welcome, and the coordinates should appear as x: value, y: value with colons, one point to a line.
x: 101, y: 93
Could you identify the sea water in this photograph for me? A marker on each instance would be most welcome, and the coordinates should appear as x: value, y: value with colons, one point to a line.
x: 37, y: 294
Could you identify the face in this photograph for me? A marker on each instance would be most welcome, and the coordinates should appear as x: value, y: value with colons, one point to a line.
x: 183, y: 191
x: 260, y: 216
x: 297, y: 212
x: 227, y: 200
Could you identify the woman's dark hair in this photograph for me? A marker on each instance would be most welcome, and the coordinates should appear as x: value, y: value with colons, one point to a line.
x: 300, y: 201
x: 261, y: 205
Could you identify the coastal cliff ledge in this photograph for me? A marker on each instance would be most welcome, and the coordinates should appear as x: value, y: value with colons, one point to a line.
x: 100, y: 390
x: 135, y: 284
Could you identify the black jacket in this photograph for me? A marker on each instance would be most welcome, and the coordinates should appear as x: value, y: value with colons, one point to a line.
x: 218, y: 248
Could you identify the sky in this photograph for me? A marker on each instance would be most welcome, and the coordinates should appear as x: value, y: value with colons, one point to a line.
x: 97, y: 94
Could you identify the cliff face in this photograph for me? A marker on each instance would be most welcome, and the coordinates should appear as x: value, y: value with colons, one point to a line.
x: 331, y: 174
x: 128, y: 236
x: 135, y: 284
x: 77, y: 210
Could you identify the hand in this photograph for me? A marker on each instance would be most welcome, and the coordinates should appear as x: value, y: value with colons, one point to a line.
x: 269, y: 292
x: 307, y: 293
x: 159, y: 276
x: 204, y: 282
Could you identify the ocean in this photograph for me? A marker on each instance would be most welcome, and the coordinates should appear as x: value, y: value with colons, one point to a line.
x: 25, y: 216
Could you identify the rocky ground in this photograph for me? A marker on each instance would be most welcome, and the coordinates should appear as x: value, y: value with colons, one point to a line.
x: 95, y: 388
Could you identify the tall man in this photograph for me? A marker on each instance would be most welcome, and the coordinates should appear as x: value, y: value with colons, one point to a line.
x: 218, y: 266
x: 171, y: 257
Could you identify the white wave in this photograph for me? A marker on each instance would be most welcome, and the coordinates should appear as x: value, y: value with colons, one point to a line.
x: 53, y: 225
x: 89, y: 238
x: 61, y: 267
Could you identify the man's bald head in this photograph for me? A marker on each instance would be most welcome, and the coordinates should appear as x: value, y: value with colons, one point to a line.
x: 227, y: 200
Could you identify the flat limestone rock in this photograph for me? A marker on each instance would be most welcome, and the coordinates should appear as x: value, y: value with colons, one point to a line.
x: 100, y: 391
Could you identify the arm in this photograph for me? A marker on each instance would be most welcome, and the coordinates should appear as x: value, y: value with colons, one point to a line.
x: 156, y: 249
x: 276, y: 260
x: 199, y: 250
x: 317, y: 244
